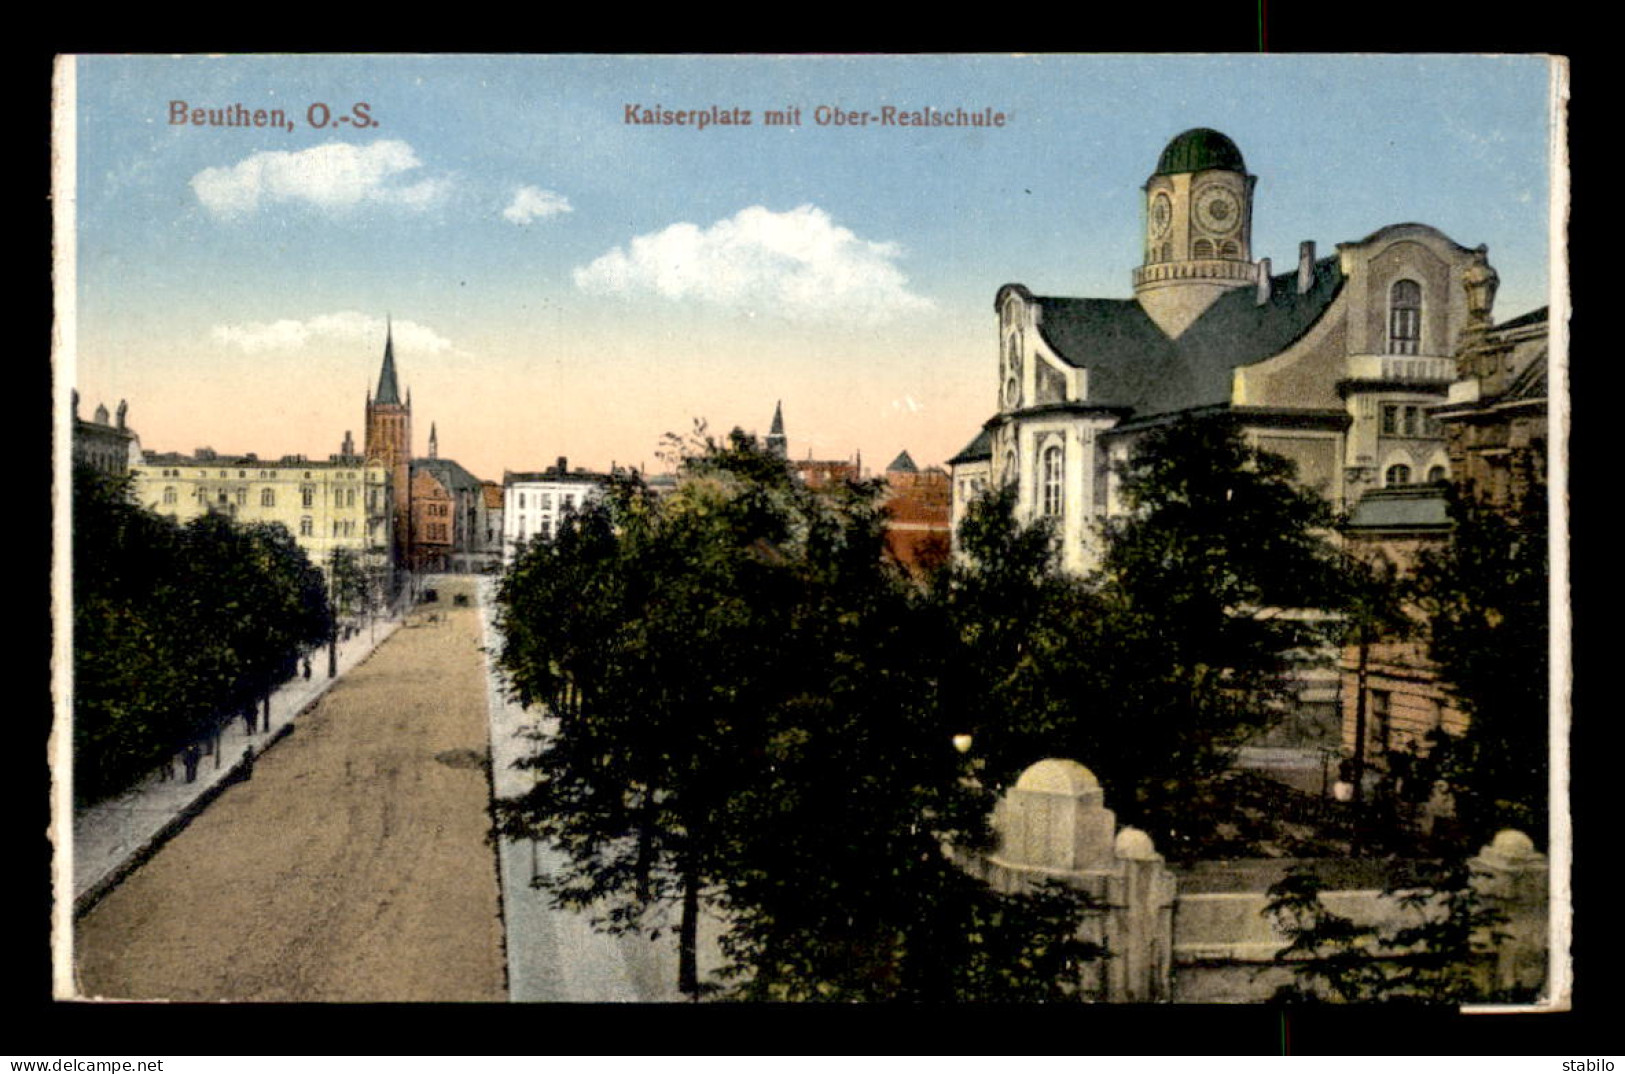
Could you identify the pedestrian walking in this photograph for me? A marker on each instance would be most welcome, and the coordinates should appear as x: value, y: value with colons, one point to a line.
x: 307, y: 667
x: 249, y: 715
x: 192, y: 755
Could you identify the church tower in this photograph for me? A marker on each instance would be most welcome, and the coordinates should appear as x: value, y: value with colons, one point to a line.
x: 389, y: 440
x: 1198, y: 229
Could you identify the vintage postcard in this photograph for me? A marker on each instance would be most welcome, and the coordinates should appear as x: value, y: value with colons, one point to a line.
x: 950, y: 528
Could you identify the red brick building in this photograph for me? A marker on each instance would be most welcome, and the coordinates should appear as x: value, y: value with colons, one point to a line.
x: 918, y: 505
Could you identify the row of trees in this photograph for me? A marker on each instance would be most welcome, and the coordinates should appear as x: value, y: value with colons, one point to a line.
x: 176, y: 628
x: 747, y: 716
x: 752, y: 708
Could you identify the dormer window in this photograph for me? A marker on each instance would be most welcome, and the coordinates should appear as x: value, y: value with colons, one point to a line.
x: 1404, y: 317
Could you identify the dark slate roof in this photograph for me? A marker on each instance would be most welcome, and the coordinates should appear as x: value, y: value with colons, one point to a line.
x: 449, y: 473
x: 1131, y: 363
x: 1409, y: 507
x: 389, y: 392
x: 576, y: 477
x: 903, y: 464
x: 979, y: 448
x: 1199, y: 149
x: 1532, y: 317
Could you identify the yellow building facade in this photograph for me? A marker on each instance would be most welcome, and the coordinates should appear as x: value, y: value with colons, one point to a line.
x: 345, y: 502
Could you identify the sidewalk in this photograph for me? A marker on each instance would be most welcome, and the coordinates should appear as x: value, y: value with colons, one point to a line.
x: 555, y: 956
x: 114, y: 836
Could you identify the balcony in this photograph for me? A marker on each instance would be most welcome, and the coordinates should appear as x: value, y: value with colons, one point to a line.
x: 1401, y: 369
x: 1207, y: 269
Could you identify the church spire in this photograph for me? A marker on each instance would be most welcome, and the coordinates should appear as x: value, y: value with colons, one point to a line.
x: 389, y: 391
x: 434, y: 442
x: 777, y: 444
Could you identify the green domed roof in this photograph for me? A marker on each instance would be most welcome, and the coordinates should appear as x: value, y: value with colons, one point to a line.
x: 1199, y: 149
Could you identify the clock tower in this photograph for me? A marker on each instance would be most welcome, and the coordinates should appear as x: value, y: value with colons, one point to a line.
x: 1198, y: 229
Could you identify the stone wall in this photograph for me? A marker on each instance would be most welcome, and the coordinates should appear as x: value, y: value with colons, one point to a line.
x: 1214, y: 946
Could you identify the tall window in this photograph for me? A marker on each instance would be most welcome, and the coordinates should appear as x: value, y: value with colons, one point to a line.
x: 169, y: 494
x: 307, y: 528
x: 307, y: 496
x: 267, y: 497
x: 1054, y: 471
x: 1404, y: 317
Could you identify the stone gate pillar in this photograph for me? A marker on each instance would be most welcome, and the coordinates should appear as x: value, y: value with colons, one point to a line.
x: 1054, y: 824
x: 1513, y: 876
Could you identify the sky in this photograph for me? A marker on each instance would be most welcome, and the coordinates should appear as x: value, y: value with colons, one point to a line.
x: 564, y: 279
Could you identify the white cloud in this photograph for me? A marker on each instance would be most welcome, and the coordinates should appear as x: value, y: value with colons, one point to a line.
x: 530, y: 203
x: 346, y: 327
x: 332, y: 177
x: 797, y: 264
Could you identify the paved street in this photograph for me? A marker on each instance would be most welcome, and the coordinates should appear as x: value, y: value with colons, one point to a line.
x: 352, y: 866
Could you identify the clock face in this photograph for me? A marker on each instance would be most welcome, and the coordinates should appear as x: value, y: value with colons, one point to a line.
x: 1218, y: 210
x: 1162, y: 214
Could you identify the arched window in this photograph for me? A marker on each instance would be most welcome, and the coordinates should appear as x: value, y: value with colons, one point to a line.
x: 1435, y: 475
x: 169, y: 494
x: 1398, y: 474
x: 1230, y: 250
x: 267, y: 497
x: 1404, y: 317
x: 1054, y: 472
x: 1167, y: 251
x: 307, y: 527
x: 1203, y: 248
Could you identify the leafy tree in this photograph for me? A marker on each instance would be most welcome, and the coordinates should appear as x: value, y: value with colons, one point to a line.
x: 175, y: 628
x: 748, y: 714
x: 351, y: 587
x: 664, y: 655
x: 1374, y: 609
x: 1486, y: 603
x: 1015, y: 636
x: 1195, y: 625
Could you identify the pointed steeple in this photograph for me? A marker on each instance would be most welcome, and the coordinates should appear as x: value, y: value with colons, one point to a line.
x: 434, y: 442
x: 389, y: 391
x: 776, y: 441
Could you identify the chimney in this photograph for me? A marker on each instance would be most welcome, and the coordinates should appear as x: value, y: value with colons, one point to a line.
x: 1263, y: 281
x: 564, y: 465
x: 1306, y: 266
